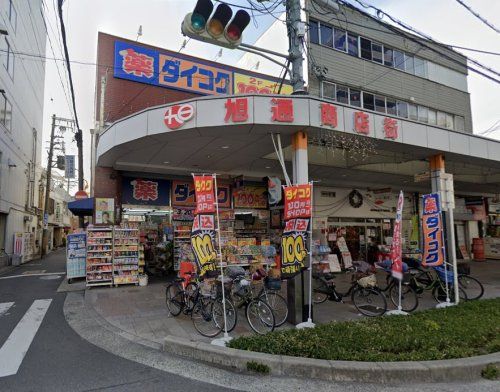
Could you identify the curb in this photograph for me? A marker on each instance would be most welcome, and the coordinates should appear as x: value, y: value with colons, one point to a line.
x: 461, y: 369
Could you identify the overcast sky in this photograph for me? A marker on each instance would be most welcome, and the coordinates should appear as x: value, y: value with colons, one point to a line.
x: 445, y: 20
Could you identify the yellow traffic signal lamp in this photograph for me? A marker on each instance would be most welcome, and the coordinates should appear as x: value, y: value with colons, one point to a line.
x: 217, y: 27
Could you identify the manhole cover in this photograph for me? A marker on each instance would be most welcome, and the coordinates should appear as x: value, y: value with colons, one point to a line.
x: 50, y: 277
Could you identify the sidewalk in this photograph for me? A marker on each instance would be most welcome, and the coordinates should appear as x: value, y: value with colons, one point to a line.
x: 142, y: 312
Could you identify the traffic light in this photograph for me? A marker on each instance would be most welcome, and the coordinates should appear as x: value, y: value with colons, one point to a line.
x: 217, y: 27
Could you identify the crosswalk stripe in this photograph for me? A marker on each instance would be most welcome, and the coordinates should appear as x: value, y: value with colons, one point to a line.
x: 5, y: 306
x: 17, y: 344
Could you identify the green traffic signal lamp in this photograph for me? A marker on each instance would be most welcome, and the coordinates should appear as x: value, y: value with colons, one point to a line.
x: 200, y: 15
x: 217, y: 27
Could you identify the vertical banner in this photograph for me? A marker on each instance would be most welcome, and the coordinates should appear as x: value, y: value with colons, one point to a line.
x: 297, y: 214
x: 203, y: 230
x: 396, y: 252
x: 203, y: 243
x: 432, y: 228
x: 204, y: 193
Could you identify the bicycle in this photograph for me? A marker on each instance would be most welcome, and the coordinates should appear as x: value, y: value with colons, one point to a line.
x: 409, y: 296
x: 259, y: 314
x: 425, y: 280
x: 269, y: 293
x: 204, y: 306
x: 366, y: 297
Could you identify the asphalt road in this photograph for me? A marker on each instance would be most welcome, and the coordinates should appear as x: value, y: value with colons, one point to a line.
x: 57, y: 359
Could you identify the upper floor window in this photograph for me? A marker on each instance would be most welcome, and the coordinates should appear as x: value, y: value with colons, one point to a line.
x: 314, y: 32
x: 342, y: 94
x: 366, y: 48
x: 328, y: 90
x: 326, y: 35
x: 420, y: 67
x: 355, y: 97
x: 459, y: 123
x: 402, y: 109
x: 388, y: 60
x: 409, y: 64
x: 352, y: 44
x: 377, y: 53
x: 339, y: 39
x: 368, y: 101
x: 5, y: 112
x: 399, y: 60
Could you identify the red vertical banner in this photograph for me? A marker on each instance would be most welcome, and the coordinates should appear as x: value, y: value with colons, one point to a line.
x: 204, y: 193
x: 297, y: 201
x: 396, y: 252
x: 294, y: 249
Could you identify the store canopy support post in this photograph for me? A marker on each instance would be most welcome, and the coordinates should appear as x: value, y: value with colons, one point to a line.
x: 224, y: 340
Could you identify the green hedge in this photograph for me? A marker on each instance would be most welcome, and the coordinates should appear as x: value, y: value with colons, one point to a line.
x: 472, y: 328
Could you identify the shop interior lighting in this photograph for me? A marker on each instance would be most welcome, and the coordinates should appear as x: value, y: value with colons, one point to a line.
x: 225, y: 147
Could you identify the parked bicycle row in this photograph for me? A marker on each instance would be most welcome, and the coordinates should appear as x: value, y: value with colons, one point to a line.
x: 201, y: 299
x: 369, y: 295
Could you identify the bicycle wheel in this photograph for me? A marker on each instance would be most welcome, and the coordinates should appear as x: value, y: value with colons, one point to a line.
x: 173, y: 298
x: 260, y: 316
x: 191, y: 294
x: 231, y: 314
x: 473, y: 287
x: 424, y: 278
x: 439, y: 293
x: 368, y: 301
x: 203, y: 319
x: 409, y: 298
x: 278, y: 304
x: 319, y: 292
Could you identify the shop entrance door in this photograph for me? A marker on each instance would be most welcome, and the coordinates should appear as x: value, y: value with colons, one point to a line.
x: 359, y: 236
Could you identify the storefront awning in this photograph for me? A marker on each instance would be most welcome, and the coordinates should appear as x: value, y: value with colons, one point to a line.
x: 83, y: 207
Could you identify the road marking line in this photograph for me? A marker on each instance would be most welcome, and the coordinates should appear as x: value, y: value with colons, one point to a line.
x: 18, y: 343
x: 25, y: 276
x: 5, y: 306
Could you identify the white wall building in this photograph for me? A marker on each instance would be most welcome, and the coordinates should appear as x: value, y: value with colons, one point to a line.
x: 21, y: 116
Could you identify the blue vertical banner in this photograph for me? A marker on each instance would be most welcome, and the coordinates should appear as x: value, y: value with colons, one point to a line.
x: 432, y: 228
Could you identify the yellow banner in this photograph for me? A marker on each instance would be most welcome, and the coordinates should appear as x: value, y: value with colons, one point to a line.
x: 245, y: 84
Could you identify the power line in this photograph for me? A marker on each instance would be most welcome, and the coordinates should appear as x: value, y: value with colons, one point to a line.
x: 418, y: 40
x: 53, y: 53
x: 66, y: 55
x: 476, y: 50
x: 477, y: 15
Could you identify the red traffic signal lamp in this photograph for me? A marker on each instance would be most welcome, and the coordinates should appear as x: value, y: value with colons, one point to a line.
x: 217, y: 27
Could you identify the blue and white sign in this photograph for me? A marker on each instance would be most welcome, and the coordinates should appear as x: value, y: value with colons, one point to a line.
x: 69, y: 171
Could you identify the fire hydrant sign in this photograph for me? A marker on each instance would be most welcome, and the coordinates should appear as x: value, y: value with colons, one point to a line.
x: 297, y: 201
x: 432, y: 227
x: 205, y: 195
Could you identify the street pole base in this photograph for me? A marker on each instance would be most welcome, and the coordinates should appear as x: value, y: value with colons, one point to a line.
x: 306, y: 324
x: 397, y: 312
x: 222, y: 341
x: 445, y: 305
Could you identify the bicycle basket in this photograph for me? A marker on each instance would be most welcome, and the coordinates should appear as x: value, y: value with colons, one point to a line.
x: 442, y: 276
x: 235, y: 271
x: 368, y: 281
x: 272, y: 283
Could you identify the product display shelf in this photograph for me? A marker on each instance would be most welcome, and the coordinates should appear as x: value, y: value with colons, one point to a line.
x: 142, y: 260
x: 182, y: 243
x: 126, y: 256
x: 99, y: 265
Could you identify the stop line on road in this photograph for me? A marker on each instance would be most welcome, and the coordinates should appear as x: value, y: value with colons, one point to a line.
x: 18, y: 343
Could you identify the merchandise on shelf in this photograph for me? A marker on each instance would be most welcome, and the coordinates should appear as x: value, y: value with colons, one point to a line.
x: 99, y: 266
x: 126, y: 256
x: 182, y: 243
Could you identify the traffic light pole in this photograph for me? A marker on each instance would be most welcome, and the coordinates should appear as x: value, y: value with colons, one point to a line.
x: 295, y: 28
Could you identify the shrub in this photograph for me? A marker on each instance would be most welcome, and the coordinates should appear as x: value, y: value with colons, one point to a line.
x: 490, y: 372
x: 470, y: 329
x: 258, y: 367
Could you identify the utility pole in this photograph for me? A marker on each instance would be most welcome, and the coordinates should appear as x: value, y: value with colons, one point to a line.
x: 296, y: 33
x: 79, y: 145
x: 45, y: 232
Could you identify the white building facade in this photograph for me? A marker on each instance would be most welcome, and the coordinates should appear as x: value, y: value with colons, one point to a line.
x: 21, y: 118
